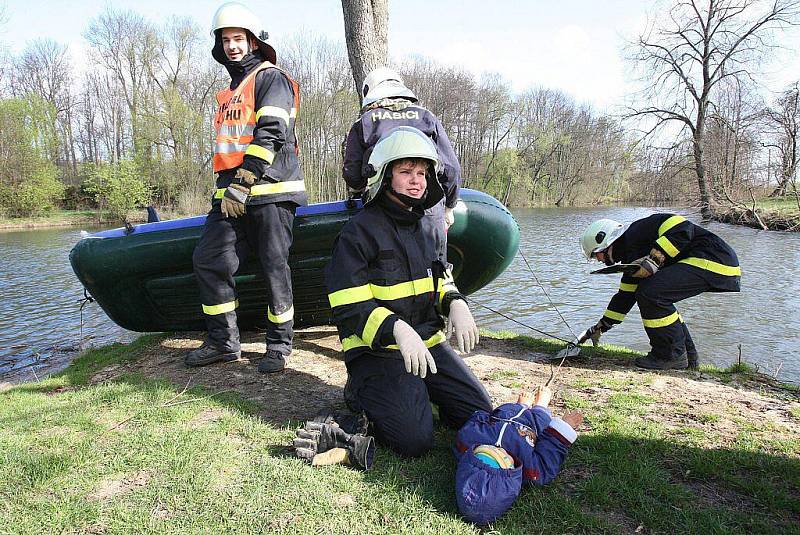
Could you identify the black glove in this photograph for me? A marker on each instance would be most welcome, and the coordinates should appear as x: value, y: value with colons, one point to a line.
x: 316, y: 439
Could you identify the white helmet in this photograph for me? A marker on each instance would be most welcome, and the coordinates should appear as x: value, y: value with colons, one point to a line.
x: 600, y: 235
x: 236, y: 15
x: 397, y: 144
x: 384, y: 82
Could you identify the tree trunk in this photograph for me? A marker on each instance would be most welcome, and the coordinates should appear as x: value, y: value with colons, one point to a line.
x: 699, y: 165
x: 366, y: 27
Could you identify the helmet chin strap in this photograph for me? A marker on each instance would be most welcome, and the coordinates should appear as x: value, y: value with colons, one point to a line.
x: 411, y: 202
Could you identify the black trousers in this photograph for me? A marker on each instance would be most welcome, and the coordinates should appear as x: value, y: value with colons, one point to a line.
x: 398, y: 403
x: 656, y: 297
x: 265, y: 230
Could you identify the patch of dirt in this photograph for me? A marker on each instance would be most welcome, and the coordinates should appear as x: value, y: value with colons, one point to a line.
x: 111, y: 488
x: 315, y: 376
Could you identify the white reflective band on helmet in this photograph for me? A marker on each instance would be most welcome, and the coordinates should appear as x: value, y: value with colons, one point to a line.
x: 228, y: 148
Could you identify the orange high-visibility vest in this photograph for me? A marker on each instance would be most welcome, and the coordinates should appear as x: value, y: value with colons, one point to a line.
x: 236, y: 119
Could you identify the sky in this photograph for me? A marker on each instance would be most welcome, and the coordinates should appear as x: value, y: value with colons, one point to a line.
x: 572, y: 45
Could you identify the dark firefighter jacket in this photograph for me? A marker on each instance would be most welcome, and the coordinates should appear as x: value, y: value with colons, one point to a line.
x: 384, y: 268
x: 374, y: 123
x: 681, y: 241
x: 263, y: 138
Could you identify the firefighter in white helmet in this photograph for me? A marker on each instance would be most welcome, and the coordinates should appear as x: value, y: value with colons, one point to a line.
x: 676, y: 260
x: 387, y: 103
x: 389, y: 290
x: 259, y: 186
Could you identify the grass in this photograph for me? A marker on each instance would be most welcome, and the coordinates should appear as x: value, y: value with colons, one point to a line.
x: 134, y: 455
x: 784, y: 205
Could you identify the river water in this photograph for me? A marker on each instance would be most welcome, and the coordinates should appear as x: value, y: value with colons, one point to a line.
x: 40, y: 330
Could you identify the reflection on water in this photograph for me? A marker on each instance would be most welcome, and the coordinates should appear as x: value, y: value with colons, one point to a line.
x: 41, y: 326
x: 762, y: 318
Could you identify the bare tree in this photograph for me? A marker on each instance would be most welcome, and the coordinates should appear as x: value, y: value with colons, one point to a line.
x: 366, y: 28
x: 686, y: 54
x: 784, y: 120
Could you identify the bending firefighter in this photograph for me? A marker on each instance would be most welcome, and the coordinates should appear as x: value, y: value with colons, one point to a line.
x: 389, y: 291
x: 259, y: 186
x: 676, y: 260
x: 387, y: 103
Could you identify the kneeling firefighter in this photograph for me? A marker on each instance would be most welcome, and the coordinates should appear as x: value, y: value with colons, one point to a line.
x: 389, y: 291
x: 259, y: 186
x: 676, y: 260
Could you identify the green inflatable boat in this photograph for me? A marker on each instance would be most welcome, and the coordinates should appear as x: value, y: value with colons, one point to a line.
x: 142, y: 278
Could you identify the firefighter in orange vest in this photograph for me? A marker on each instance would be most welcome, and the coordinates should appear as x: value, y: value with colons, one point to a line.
x: 259, y: 186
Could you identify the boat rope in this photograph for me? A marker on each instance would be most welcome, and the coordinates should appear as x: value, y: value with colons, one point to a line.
x: 85, y: 301
x: 560, y: 315
x: 509, y: 318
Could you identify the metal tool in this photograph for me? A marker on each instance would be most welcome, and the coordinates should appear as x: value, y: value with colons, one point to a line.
x: 628, y: 269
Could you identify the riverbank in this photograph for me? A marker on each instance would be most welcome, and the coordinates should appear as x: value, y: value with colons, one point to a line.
x: 769, y: 214
x: 128, y: 439
x: 76, y: 218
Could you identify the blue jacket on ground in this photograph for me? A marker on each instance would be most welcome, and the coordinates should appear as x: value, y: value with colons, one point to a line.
x: 538, y: 443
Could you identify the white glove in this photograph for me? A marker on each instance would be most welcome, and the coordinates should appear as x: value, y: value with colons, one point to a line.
x: 449, y: 217
x: 417, y: 357
x: 463, y: 324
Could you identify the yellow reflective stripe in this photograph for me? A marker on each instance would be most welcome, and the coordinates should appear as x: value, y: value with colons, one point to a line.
x: 714, y: 267
x: 290, y: 186
x: 281, y: 318
x: 374, y: 322
x: 269, y: 189
x: 614, y: 315
x: 348, y: 296
x: 352, y: 342
x: 273, y: 111
x: 665, y: 244
x: 260, y: 152
x: 669, y: 223
x: 404, y: 289
x: 661, y: 322
x: 626, y: 287
x: 358, y: 294
x: 213, y: 310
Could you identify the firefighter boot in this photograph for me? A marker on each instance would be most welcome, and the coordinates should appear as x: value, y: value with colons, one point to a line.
x: 653, y: 363
x: 208, y: 354
x: 272, y: 362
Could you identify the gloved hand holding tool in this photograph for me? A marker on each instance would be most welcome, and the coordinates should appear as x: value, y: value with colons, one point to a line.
x: 594, y: 332
x: 235, y: 197
x: 463, y: 324
x: 417, y: 357
x: 326, y: 443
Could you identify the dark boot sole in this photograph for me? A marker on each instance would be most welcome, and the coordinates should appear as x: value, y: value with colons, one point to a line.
x: 224, y: 357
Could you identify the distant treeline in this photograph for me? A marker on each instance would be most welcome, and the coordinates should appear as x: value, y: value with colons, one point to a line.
x: 135, y: 127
